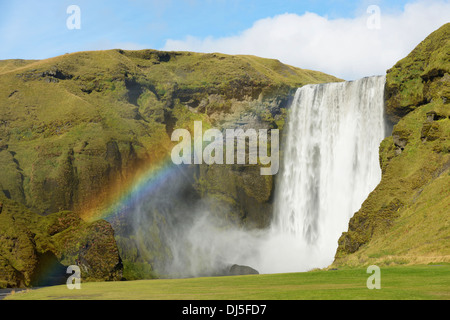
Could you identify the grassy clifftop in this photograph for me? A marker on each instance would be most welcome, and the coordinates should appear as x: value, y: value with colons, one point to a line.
x: 406, y: 218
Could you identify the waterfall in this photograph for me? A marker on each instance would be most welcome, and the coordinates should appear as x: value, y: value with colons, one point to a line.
x: 329, y: 166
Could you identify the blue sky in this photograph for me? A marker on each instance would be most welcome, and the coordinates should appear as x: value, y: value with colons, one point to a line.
x: 37, y: 29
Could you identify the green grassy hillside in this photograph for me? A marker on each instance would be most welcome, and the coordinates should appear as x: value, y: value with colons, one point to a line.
x: 12, y: 64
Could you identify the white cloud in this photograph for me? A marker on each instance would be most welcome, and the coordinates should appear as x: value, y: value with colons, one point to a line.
x: 346, y: 48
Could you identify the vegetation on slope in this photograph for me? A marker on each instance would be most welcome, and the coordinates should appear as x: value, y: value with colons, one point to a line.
x: 36, y: 250
x: 421, y: 77
x: 76, y: 123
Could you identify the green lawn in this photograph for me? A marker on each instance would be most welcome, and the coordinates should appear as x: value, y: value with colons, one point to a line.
x: 399, y: 282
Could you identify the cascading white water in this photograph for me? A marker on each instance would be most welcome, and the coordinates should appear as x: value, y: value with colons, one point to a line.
x: 330, y: 165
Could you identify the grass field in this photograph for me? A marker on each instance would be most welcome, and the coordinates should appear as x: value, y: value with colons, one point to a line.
x: 427, y: 282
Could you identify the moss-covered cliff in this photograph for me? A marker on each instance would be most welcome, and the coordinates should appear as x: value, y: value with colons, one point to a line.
x: 74, y: 129
x: 421, y: 77
x: 406, y: 218
x: 36, y: 250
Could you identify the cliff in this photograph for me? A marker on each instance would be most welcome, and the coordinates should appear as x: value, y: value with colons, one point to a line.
x: 73, y: 124
x: 36, y: 250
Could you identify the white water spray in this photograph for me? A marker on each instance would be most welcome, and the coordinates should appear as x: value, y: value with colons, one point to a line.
x: 329, y: 167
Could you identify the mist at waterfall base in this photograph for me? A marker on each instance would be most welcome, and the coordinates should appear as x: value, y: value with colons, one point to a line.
x: 329, y: 165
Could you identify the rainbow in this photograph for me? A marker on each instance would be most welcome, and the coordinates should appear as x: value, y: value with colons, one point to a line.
x: 141, y: 186
x: 147, y: 179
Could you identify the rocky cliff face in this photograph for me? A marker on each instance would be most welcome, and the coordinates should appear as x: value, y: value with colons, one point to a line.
x: 76, y: 128
x: 420, y: 78
x: 405, y: 219
x: 36, y: 250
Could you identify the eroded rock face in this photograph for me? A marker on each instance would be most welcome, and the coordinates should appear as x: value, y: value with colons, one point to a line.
x: 431, y: 129
x: 421, y: 77
x: 239, y: 193
x: 36, y: 250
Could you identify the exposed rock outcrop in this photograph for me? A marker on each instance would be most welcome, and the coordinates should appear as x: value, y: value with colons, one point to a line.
x: 421, y: 77
x: 237, y: 270
x: 36, y: 250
